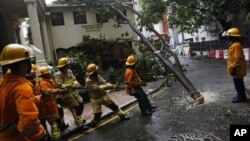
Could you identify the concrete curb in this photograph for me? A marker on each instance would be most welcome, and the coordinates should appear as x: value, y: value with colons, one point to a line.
x: 74, y: 129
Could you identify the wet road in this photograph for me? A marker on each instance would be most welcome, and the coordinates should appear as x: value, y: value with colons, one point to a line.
x: 177, y: 117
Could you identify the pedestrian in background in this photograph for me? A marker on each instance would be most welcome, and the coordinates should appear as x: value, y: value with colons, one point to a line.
x: 190, y: 52
x: 236, y: 64
x: 133, y: 85
x: 97, y: 87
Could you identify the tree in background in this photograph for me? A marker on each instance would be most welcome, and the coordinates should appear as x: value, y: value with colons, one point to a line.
x: 190, y: 15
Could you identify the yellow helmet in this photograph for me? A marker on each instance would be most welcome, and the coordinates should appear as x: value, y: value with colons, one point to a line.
x: 42, y: 70
x: 131, y: 60
x: 91, y: 68
x: 13, y: 53
x: 62, y: 62
x: 8, y: 71
x: 234, y: 32
x: 33, y: 67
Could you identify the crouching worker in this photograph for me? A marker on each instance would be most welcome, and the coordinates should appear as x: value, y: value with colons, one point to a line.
x: 96, y: 86
x: 49, y: 90
x: 18, y: 112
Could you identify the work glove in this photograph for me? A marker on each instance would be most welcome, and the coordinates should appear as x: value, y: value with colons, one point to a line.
x: 234, y: 71
x: 76, y: 85
x: 113, y: 86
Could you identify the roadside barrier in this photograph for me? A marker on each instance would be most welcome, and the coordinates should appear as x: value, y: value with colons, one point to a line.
x: 221, y: 54
x: 212, y: 53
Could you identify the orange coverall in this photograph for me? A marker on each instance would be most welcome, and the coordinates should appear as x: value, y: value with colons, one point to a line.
x: 47, y: 87
x: 133, y: 79
x: 133, y: 88
x: 236, y: 59
x: 39, y: 102
x: 18, y: 113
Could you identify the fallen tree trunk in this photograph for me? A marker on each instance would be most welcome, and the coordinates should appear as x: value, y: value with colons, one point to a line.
x: 199, y: 99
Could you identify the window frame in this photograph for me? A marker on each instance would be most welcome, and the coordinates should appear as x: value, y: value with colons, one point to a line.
x: 59, y: 20
x: 82, y: 19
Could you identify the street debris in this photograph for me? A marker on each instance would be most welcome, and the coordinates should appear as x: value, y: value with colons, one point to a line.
x: 195, y: 136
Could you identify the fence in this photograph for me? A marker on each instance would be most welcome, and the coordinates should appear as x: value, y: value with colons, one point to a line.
x: 207, y: 45
x: 215, y: 44
x: 217, y: 49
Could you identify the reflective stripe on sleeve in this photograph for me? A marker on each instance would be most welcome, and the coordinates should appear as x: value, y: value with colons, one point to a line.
x: 104, y: 98
x: 68, y: 83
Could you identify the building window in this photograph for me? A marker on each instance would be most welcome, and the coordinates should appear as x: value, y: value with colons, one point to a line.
x: 80, y: 17
x: 119, y: 17
x: 101, y: 19
x: 57, y: 19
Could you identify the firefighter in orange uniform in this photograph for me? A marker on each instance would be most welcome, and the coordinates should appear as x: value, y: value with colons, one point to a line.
x: 70, y: 96
x: 236, y: 64
x: 133, y: 85
x: 49, y: 90
x: 37, y: 92
x: 96, y: 86
x: 18, y: 113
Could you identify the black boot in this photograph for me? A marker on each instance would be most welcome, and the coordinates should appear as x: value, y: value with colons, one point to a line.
x: 124, y: 117
x: 62, y: 125
x: 146, y: 113
x: 85, y: 127
x: 239, y: 100
x: 96, y: 119
x: 79, y: 109
x: 154, y: 107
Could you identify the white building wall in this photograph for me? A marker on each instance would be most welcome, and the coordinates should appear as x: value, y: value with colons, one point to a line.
x: 201, y: 35
x: 177, y: 37
x: 71, y: 34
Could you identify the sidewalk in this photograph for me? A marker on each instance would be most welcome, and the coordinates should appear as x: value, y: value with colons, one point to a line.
x: 119, y: 97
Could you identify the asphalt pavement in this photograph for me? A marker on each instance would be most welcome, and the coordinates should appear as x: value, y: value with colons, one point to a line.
x: 119, y: 97
x: 178, y: 118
